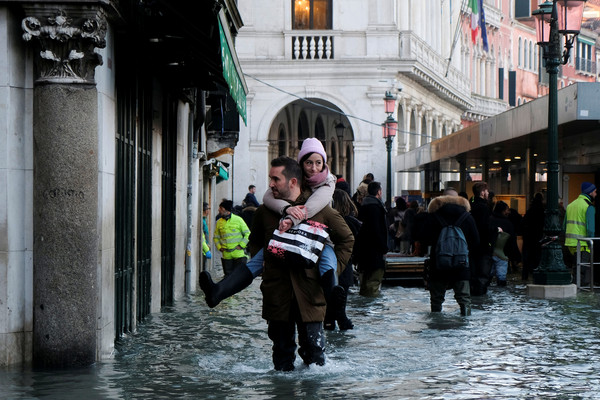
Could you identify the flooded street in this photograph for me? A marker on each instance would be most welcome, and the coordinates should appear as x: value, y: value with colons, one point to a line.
x: 511, y: 347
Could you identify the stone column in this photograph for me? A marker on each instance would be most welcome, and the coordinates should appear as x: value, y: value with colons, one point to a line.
x: 65, y: 183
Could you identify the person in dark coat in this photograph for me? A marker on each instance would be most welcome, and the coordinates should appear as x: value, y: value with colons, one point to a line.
x: 344, y: 205
x: 293, y: 299
x: 342, y: 185
x: 482, y: 256
x: 449, y: 208
x: 504, y: 242
x: 394, y: 221
x: 371, y: 244
x: 533, y: 232
x: 250, y: 199
x: 408, y: 224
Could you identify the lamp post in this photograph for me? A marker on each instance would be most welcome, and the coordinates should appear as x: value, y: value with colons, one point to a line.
x: 390, y: 126
x: 552, y: 18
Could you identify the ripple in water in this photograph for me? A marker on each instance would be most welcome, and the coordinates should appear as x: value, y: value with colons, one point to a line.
x: 511, y: 347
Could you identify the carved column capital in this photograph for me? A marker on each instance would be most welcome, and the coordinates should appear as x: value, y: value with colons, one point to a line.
x: 66, y: 39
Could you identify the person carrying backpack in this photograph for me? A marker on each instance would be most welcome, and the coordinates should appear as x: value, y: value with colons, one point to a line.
x: 451, y: 232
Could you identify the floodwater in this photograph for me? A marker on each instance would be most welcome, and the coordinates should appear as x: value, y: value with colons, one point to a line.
x: 512, y: 347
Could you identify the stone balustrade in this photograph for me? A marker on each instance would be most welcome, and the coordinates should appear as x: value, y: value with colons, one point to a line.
x: 311, y: 45
x: 415, y: 48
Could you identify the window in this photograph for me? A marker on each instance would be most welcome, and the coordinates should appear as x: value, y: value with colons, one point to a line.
x: 311, y: 14
x: 531, y: 55
x: 520, y: 52
x: 584, y: 61
x: 522, y: 9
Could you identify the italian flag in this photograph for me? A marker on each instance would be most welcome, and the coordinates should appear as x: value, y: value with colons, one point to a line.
x: 474, y: 19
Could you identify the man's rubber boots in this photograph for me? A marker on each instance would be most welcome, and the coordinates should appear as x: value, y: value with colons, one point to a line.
x: 343, y: 321
x: 231, y: 284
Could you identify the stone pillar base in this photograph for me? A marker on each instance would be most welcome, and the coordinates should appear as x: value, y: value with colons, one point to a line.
x: 552, y: 291
x: 562, y: 277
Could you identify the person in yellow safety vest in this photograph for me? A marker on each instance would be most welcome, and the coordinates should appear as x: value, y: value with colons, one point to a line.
x: 205, y: 249
x: 231, y: 237
x: 579, y: 223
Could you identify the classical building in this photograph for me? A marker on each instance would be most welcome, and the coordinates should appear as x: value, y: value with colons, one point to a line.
x: 112, y: 116
x: 314, y: 65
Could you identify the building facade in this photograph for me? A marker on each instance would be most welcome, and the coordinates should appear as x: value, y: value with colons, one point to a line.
x: 313, y: 64
x: 113, y: 117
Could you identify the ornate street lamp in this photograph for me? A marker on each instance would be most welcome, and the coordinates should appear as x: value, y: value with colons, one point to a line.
x: 552, y: 18
x: 390, y: 126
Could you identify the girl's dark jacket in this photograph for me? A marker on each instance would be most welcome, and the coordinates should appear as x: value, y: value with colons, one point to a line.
x: 450, y: 209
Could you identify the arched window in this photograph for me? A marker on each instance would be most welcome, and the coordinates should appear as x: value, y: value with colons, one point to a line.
x: 303, y: 129
x: 320, y: 130
x: 531, y: 55
x: 281, y: 142
x: 520, y: 52
x: 311, y: 14
x: 525, y: 55
x: 413, y: 131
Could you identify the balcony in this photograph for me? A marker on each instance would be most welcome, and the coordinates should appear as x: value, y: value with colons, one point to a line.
x: 487, y: 106
x: 493, y: 16
x: 431, y: 70
x: 310, y: 45
x: 583, y: 65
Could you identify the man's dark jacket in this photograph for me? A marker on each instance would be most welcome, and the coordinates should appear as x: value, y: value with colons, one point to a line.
x: 480, y: 210
x: 450, y: 208
x: 283, y: 285
x: 250, y: 200
x: 371, y: 242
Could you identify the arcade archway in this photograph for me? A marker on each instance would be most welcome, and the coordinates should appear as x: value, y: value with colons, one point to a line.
x: 316, y: 118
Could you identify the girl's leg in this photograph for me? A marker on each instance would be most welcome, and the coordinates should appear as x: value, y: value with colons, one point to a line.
x: 255, y: 264
x: 335, y: 295
x: 328, y: 261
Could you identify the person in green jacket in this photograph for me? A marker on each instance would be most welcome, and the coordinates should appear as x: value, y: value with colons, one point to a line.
x: 580, y: 223
x: 231, y: 238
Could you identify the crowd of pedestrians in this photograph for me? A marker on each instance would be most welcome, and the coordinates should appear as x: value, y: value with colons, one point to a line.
x: 312, y: 240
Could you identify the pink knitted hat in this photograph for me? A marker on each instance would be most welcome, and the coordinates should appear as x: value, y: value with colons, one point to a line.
x: 312, y: 145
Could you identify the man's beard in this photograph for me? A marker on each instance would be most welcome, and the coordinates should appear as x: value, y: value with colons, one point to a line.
x: 280, y: 194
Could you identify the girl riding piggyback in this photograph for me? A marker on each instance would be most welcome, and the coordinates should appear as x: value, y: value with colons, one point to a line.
x: 312, y: 159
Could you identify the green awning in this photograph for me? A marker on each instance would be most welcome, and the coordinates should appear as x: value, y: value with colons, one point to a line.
x: 222, y: 174
x: 232, y: 72
x: 585, y: 40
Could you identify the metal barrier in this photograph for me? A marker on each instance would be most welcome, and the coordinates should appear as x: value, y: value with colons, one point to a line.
x: 590, y: 243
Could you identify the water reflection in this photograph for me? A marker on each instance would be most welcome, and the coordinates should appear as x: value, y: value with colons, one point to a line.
x: 511, y: 347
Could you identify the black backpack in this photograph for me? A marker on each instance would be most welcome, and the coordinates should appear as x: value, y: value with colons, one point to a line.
x: 451, y: 249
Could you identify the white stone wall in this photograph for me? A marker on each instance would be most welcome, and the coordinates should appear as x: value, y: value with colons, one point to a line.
x: 16, y: 194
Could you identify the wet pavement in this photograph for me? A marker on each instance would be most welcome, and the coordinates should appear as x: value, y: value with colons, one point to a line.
x: 512, y: 346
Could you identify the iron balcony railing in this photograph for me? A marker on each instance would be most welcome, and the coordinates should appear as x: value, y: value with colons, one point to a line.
x: 585, y: 65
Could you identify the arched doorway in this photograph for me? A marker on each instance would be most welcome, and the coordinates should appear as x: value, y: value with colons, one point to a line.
x: 317, y: 118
